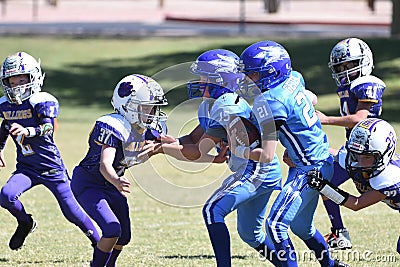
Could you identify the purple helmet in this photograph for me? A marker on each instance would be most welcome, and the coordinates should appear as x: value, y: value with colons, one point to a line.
x: 270, y: 60
x: 220, y: 69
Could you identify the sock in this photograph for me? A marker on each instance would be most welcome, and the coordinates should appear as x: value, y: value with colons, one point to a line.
x: 287, y: 253
x: 333, y: 210
x: 113, y: 258
x: 317, y: 244
x: 18, y: 211
x: 267, y: 251
x: 100, y: 258
x: 220, y: 240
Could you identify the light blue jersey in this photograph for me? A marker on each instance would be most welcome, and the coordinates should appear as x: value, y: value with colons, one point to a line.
x: 249, y: 188
x: 301, y: 132
x: 214, y: 115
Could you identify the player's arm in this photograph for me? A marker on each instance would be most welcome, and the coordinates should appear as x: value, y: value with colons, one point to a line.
x: 197, y: 152
x: 193, y: 137
x: 340, y: 197
x: 44, y: 128
x: 4, y: 133
x: 365, y: 200
x: 266, y: 152
x: 349, y: 121
x: 107, y: 170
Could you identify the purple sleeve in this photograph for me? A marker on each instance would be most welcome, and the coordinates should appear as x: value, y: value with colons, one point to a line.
x: 369, y: 92
x: 49, y: 109
x: 4, y: 133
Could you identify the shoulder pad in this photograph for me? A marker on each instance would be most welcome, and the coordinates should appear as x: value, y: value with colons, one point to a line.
x: 3, y: 99
x: 40, y: 97
x: 367, y: 80
x: 389, y: 177
x: 119, y: 123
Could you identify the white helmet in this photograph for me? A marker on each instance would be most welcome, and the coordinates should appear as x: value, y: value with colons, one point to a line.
x: 18, y: 64
x: 350, y: 50
x: 374, y: 137
x: 133, y: 93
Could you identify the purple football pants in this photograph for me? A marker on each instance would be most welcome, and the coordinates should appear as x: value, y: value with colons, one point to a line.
x: 104, y: 204
x: 19, y: 183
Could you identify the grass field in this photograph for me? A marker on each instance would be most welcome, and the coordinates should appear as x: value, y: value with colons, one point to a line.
x: 82, y: 74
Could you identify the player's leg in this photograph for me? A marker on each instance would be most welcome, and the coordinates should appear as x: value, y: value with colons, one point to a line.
x: 296, y: 197
x: 283, y: 211
x: 71, y: 209
x: 250, y: 220
x: 95, y: 202
x: 302, y: 226
x: 339, y: 237
x: 9, y: 199
x: 121, y: 210
x: 220, y: 204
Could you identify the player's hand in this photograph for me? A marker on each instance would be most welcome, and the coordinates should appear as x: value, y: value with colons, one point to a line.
x: 2, y: 161
x: 122, y: 184
x: 322, y: 117
x: 223, y: 153
x: 149, y: 149
x: 287, y: 160
x: 315, y: 180
x: 18, y: 129
x: 168, y: 139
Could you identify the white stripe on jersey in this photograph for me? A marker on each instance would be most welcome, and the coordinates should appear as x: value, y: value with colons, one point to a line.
x: 119, y: 123
x: 296, y: 145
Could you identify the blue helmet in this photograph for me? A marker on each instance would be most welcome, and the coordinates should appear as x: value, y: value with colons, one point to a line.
x: 270, y: 60
x: 220, y: 68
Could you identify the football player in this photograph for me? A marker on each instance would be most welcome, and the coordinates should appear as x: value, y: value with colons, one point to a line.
x: 249, y: 188
x: 115, y: 143
x: 360, y: 94
x: 285, y: 113
x: 370, y: 160
x: 28, y: 116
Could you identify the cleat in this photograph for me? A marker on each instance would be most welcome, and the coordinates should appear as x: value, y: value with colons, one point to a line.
x: 22, y: 231
x: 338, y: 239
x: 338, y: 263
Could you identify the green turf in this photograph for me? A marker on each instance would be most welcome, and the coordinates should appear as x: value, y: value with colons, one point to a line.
x: 83, y: 73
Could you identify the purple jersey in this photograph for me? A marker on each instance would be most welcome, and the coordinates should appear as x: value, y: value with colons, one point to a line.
x: 115, y: 131
x: 387, y: 182
x: 38, y: 155
x: 363, y: 89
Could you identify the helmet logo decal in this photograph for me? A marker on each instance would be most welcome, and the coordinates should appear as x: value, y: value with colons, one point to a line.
x: 275, y: 54
x: 125, y: 89
x: 12, y: 65
x: 340, y: 52
x: 224, y: 63
x: 359, y: 139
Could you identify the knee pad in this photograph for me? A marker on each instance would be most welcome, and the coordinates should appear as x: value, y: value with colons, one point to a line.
x: 303, y: 232
x: 251, y: 238
x: 6, y: 198
x: 111, y: 230
x: 125, y: 238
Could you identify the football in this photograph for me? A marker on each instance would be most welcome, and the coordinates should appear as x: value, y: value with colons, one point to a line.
x: 246, y: 133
